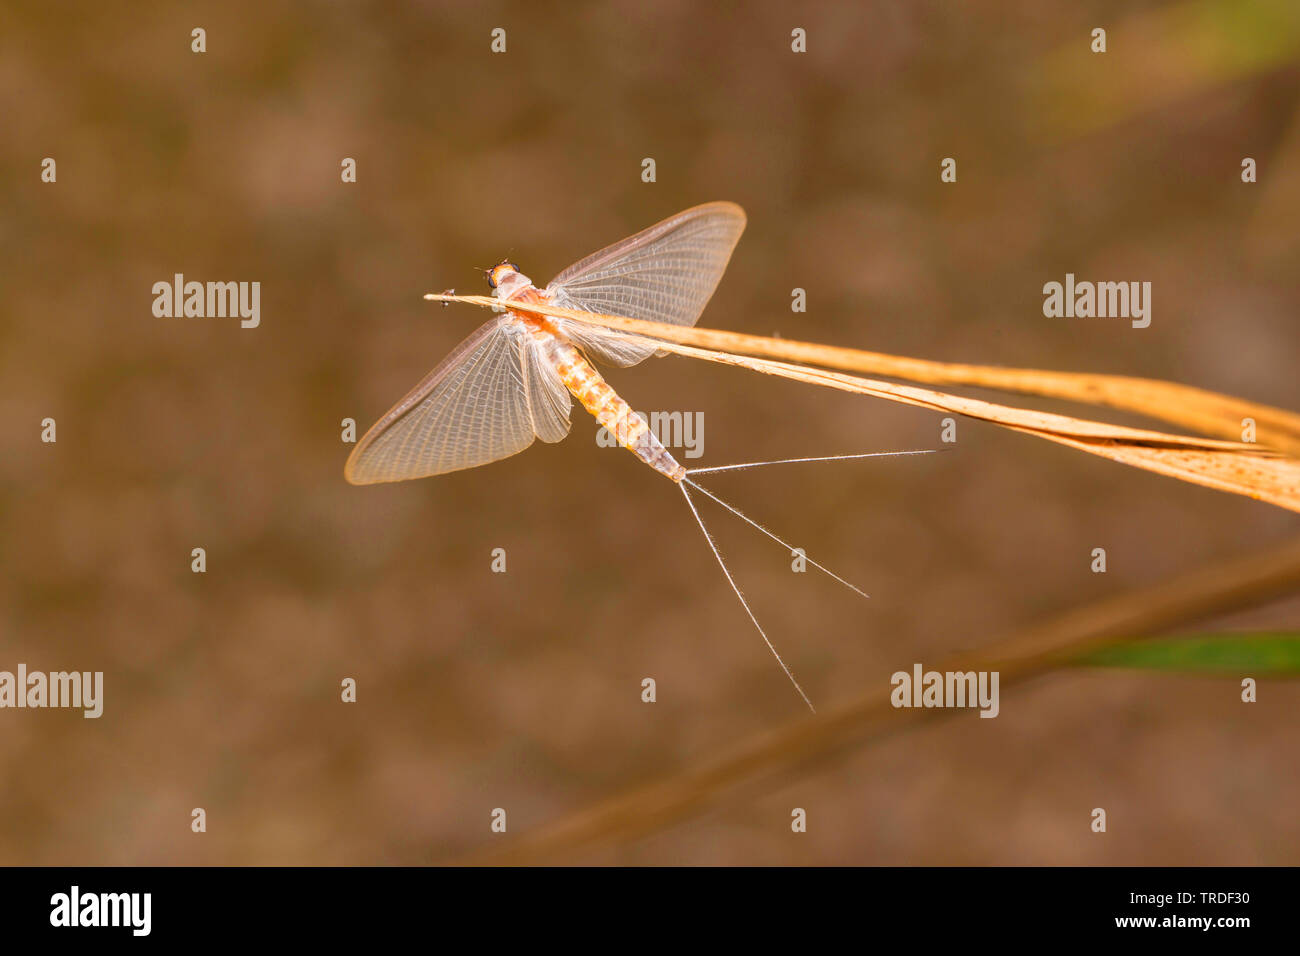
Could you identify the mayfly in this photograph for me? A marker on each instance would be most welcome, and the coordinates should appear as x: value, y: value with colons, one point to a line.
x: 510, y: 382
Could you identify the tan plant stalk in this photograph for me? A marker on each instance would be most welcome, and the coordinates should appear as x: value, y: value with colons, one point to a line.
x: 1242, y: 468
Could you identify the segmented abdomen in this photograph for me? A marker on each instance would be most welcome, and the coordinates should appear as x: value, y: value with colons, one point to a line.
x: 588, y: 387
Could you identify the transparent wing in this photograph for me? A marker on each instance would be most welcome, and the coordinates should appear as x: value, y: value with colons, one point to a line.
x: 548, y: 399
x: 485, y: 401
x: 666, y: 273
x: 606, y: 345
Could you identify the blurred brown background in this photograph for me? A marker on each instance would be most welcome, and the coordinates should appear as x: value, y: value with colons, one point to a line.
x: 480, y: 690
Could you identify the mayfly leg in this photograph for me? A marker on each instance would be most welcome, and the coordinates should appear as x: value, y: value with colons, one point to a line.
x: 687, y: 481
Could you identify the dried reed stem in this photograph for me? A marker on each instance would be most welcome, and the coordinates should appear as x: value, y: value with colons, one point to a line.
x: 765, y: 761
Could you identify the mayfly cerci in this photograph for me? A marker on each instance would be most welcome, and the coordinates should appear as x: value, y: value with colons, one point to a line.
x: 511, y: 381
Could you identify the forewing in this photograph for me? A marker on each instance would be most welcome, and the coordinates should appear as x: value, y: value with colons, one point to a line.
x: 666, y: 273
x: 472, y: 409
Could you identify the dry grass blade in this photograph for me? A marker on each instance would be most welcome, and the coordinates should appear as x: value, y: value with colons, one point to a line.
x: 1209, y: 413
x: 769, y: 759
x: 1236, y: 467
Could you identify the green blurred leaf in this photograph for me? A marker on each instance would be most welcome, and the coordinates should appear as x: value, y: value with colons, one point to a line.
x: 1173, y: 52
x: 1238, y: 654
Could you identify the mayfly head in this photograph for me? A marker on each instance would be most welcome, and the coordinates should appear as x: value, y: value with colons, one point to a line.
x: 506, y: 279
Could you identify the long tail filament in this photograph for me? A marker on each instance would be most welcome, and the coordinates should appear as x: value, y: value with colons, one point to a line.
x: 684, y: 482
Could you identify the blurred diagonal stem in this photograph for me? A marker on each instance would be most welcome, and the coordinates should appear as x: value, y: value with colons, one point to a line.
x: 767, y: 761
